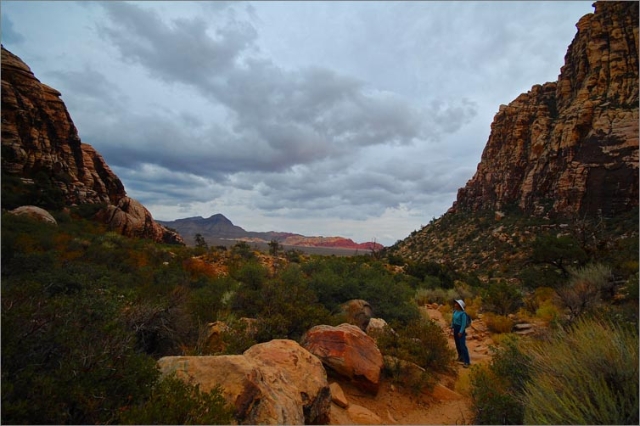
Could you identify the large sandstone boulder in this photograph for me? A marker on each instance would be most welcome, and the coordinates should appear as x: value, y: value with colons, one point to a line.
x: 347, y: 351
x: 298, y: 374
x: 277, y: 382
x: 130, y: 218
x: 35, y: 213
x: 357, y: 312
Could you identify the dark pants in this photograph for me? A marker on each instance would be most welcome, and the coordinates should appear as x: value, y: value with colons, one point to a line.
x: 461, y: 344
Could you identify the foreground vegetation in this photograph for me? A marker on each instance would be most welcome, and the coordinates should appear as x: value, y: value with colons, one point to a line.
x: 86, y: 313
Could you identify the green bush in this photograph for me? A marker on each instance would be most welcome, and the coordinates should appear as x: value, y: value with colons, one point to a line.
x: 584, y: 292
x: 587, y: 374
x: 72, y: 361
x: 497, y: 389
x: 175, y: 402
x: 422, y: 342
x: 502, y: 298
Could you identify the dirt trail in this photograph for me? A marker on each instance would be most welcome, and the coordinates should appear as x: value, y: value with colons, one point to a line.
x: 448, y: 404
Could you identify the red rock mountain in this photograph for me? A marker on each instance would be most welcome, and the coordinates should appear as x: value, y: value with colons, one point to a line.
x: 39, y: 137
x: 570, y: 147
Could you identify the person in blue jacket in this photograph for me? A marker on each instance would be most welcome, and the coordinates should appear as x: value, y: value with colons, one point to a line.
x: 458, y: 326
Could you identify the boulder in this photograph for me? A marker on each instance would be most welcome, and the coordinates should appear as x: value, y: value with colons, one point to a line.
x: 337, y: 395
x: 363, y: 416
x: 130, y: 218
x: 297, y: 374
x: 348, y: 352
x: 277, y: 382
x: 377, y: 327
x: 36, y: 213
x: 357, y: 312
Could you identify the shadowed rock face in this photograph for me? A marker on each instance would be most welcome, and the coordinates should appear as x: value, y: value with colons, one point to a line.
x: 38, y: 136
x: 570, y: 147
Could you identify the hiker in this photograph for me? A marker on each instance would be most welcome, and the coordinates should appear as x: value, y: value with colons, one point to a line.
x: 458, y: 326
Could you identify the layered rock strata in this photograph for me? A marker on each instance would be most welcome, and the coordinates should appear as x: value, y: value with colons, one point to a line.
x: 570, y: 147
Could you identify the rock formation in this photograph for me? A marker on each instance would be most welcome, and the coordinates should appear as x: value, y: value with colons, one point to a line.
x: 347, y: 351
x: 276, y: 382
x: 570, y: 147
x: 357, y: 312
x: 35, y: 213
x: 38, y: 136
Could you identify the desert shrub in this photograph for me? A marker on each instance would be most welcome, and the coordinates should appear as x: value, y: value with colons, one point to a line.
x: 421, y: 296
x: 559, y: 252
x: 337, y: 280
x: 586, y: 374
x: 175, y: 402
x: 436, y: 295
x: 496, y: 389
x: 239, y: 336
x: 162, y: 326
x: 408, y: 375
x: 72, y: 362
x: 498, y: 323
x: 445, y: 277
x: 242, y: 250
x: 583, y: 292
x: 422, y: 342
x: 631, y: 288
x: 208, y: 302
x: 285, y: 306
x: 549, y: 312
x: 502, y: 298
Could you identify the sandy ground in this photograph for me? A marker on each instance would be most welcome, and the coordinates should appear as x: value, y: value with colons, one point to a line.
x: 448, y: 404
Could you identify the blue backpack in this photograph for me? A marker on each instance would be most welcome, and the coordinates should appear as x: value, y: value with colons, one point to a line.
x: 469, y: 320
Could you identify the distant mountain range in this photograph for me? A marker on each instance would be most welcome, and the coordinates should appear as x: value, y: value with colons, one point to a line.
x: 218, y: 227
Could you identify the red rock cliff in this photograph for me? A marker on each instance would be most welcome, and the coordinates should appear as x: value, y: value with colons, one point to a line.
x: 570, y: 147
x: 38, y: 136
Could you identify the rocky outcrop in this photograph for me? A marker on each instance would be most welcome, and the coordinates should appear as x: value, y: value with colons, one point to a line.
x: 277, y: 382
x: 38, y: 135
x: 35, y: 213
x: 39, y: 138
x: 132, y: 219
x: 357, y: 312
x: 570, y: 147
x: 347, y: 351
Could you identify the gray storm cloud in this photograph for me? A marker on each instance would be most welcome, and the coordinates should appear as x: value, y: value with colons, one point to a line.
x: 277, y: 118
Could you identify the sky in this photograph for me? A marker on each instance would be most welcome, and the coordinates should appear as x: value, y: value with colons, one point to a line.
x: 326, y: 118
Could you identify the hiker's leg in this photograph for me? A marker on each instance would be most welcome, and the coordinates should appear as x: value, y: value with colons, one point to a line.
x: 463, y: 349
x: 456, y: 340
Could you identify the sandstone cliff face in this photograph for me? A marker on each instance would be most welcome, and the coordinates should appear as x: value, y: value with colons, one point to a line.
x: 570, y: 147
x: 39, y: 136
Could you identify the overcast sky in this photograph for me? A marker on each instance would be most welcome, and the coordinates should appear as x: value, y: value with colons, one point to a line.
x: 358, y: 119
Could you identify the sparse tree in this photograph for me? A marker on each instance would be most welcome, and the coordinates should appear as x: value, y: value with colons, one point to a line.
x: 274, y: 247
x: 200, y: 242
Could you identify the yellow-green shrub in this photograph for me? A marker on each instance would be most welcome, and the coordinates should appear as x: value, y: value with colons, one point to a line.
x: 587, y: 374
x: 548, y: 312
x: 498, y: 323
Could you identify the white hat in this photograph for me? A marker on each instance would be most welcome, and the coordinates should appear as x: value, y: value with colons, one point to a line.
x: 461, y: 303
